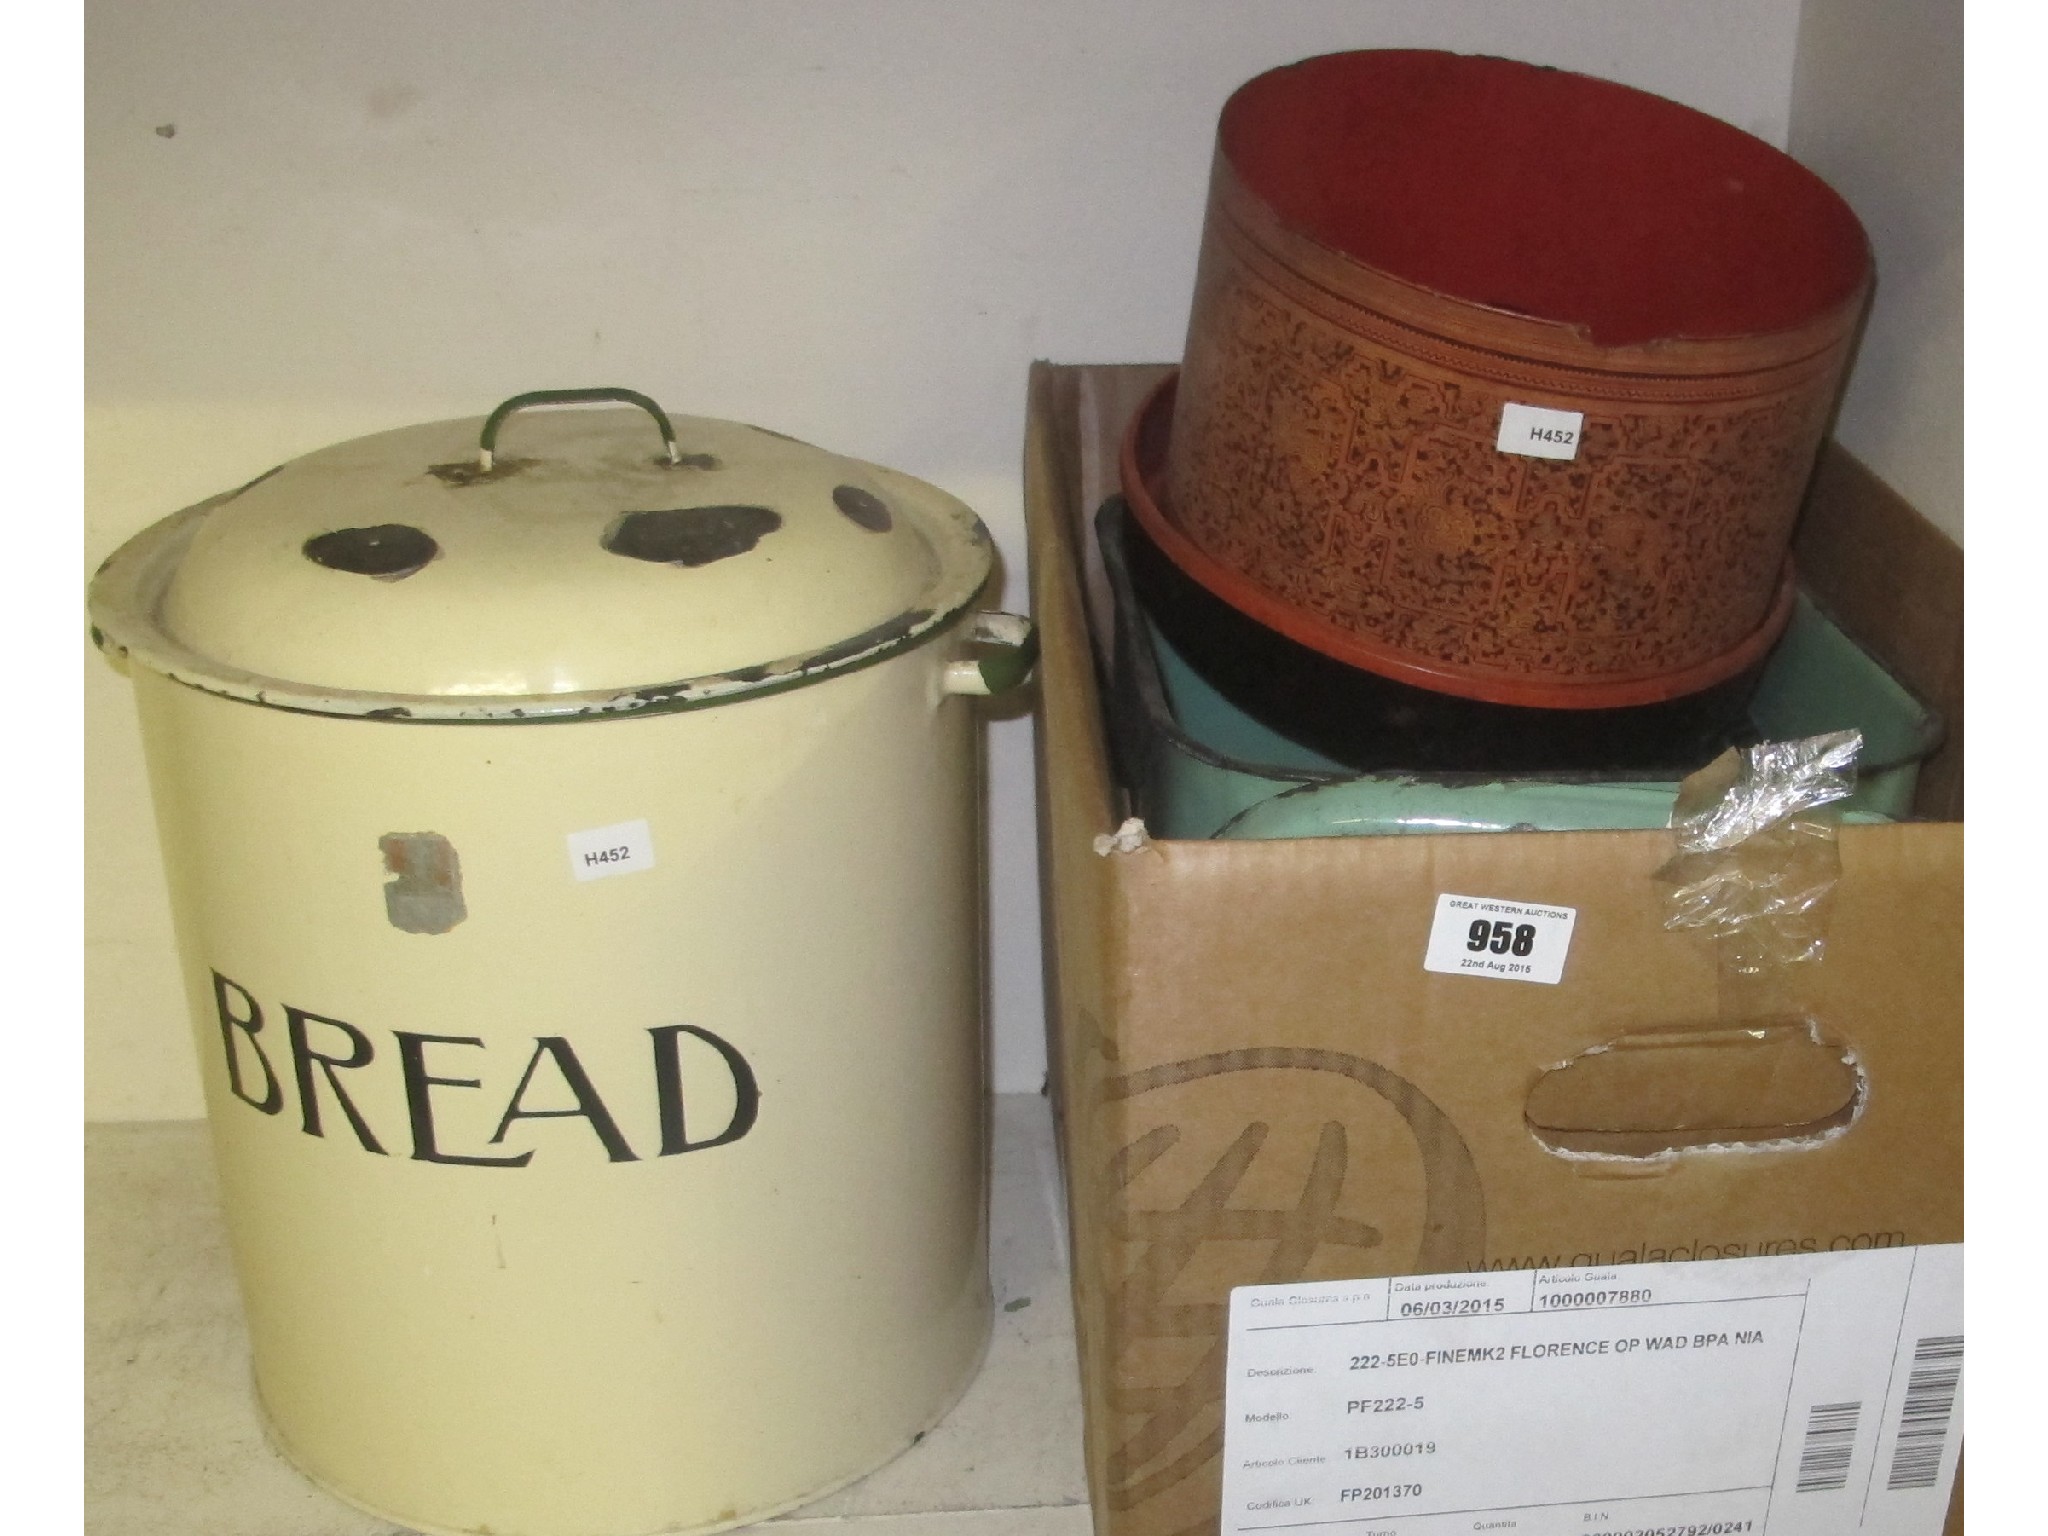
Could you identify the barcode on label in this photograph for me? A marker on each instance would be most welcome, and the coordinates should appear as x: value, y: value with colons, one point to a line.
x: 1830, y: 1444
x: 1930, y: 1402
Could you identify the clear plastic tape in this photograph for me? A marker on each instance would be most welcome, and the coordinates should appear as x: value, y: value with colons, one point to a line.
x: 1757, y: 858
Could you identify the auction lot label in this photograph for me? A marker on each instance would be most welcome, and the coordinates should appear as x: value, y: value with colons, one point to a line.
x: 1801, y: 1395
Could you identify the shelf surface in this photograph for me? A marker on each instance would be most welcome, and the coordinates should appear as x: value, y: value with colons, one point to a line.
x: 173, y: 1445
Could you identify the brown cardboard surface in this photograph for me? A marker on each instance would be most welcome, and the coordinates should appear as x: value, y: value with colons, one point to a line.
x: 1895, y: 581
x: 1258, y: 1082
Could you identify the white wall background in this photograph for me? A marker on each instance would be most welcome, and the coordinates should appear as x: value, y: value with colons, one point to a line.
x: 857, y: 222
x: 1877, y: 109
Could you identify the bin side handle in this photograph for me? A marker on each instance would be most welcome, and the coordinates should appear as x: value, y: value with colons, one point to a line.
x: 1010, y: 642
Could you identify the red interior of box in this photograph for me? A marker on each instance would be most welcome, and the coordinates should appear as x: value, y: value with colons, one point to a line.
x: 1546, y: 193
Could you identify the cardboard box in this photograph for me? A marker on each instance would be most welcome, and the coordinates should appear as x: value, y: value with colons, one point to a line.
x: 1258, y: 1082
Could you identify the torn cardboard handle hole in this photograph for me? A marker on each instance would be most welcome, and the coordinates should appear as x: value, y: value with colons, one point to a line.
x: 1655, y: 1092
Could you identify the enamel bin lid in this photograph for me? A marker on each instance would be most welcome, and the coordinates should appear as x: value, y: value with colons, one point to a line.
x: 543, y: 565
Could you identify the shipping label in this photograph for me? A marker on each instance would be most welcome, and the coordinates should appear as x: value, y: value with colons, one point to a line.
x: 1797, y: 1395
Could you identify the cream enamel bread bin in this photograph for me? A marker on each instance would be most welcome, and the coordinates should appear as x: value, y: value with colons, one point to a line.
x: 572, y: 825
